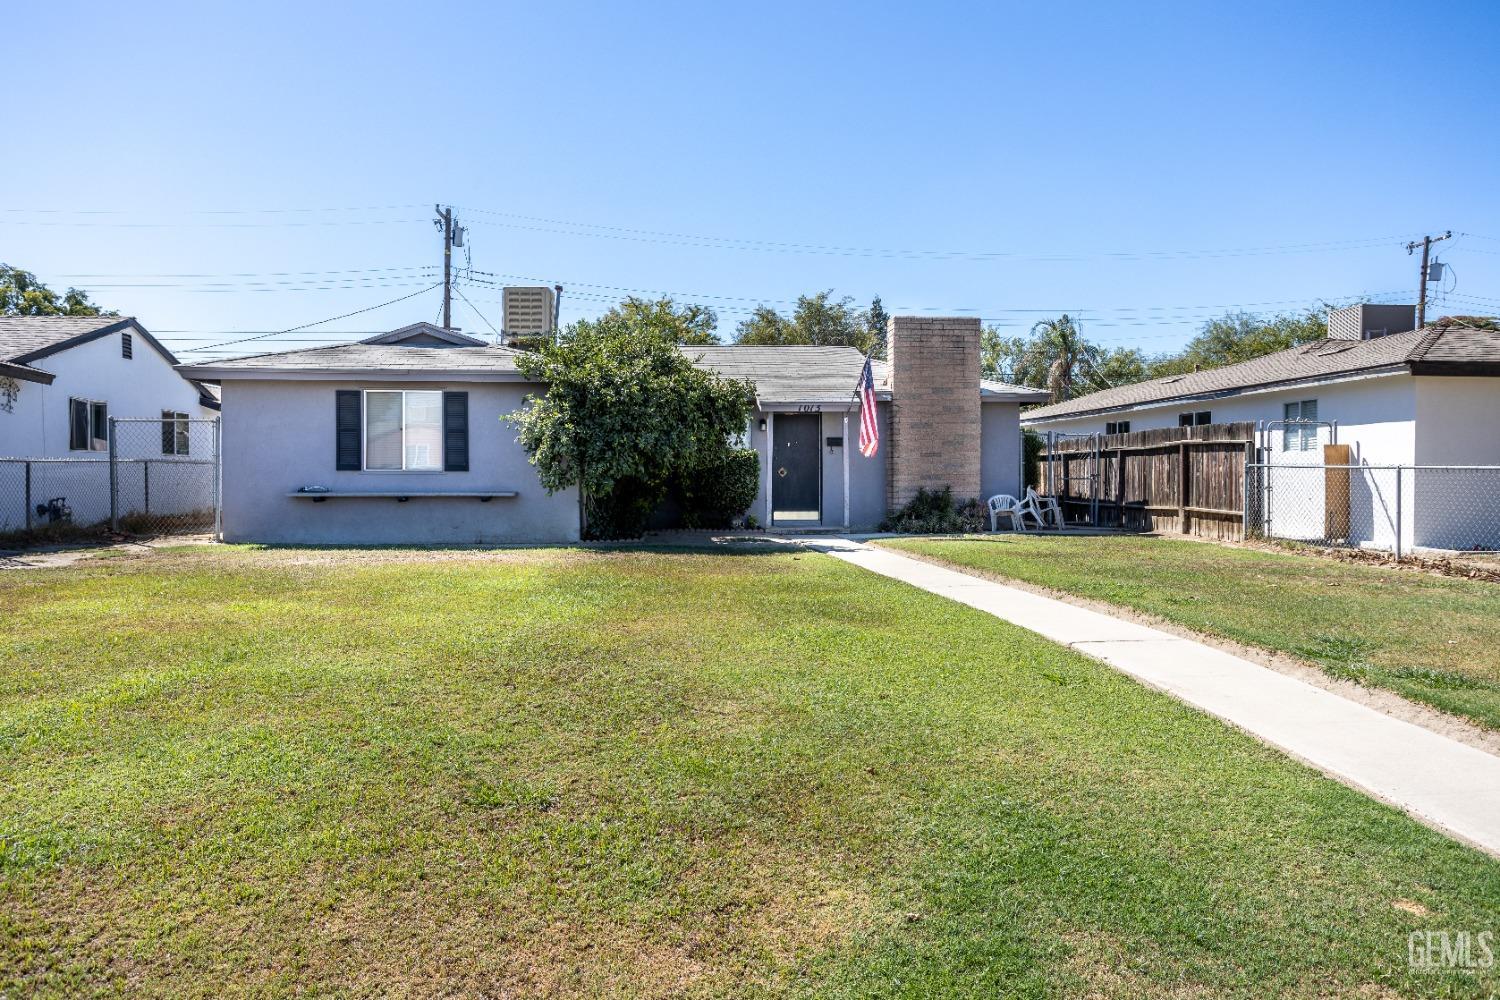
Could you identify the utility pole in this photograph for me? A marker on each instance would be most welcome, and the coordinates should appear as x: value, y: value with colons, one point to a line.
x: 1426, y: 245
x: 452, y: 236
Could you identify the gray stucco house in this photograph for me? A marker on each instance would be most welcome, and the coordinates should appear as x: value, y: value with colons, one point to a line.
x: 398, y: 439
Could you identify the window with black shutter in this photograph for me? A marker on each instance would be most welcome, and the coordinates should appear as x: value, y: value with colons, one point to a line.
x: 456, y: 431
x: 347, y: 430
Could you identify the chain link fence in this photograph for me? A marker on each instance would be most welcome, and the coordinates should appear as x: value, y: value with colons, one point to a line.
x: 160, y: 476
x: 1433, y: 510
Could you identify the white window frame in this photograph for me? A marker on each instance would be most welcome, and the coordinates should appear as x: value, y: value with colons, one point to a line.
x: 181, y: 431
x: 95, y: 443
x: 364, y: 431
x: 1296, y: 428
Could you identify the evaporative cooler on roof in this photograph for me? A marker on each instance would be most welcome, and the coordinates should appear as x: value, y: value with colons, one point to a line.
x: 527, y: 310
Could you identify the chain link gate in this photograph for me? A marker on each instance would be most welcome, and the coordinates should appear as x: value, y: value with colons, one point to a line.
x: 164, y: 475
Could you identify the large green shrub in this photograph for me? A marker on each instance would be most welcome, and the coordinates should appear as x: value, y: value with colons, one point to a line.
x: 715, y: 493
x: 934, y: 512
x: 625, y: 416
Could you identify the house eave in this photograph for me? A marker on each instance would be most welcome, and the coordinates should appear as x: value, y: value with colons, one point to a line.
x: 25, y: 373
x: 218, y: 376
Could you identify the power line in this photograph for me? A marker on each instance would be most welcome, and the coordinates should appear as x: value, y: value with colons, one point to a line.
x: 331, y: 319
x: 460, y: 291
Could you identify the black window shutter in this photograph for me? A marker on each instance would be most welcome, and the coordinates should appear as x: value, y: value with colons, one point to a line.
x: 455, y: 432
x: 347, y: 437
x: 168, y: 433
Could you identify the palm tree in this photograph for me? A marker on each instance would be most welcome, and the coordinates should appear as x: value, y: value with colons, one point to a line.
x: 1062, y: 341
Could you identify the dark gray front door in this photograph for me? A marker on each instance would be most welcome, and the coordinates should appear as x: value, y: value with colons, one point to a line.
x: 795, y: 481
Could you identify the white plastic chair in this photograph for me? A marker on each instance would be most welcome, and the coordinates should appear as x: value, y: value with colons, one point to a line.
x: 1005, y: 505
x: 1047, y: 508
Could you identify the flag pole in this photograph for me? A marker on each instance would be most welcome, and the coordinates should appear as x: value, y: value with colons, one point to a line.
x: 849, y: 405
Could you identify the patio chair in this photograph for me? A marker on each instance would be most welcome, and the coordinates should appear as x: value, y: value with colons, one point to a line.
x: 1005, y: 505
x: 1047, y: 508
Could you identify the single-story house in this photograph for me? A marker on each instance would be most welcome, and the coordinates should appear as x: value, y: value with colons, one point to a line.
x: 400, y: 439
x: 63, y: 377
x: 1428, y: 397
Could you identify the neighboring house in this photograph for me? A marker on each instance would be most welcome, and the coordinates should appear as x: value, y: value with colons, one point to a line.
x: 1429, y: 397
x: 1423, y: 398
x: 63, y: 377
x: 404, y: 433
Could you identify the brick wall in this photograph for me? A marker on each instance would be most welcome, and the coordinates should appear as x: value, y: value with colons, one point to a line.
x: 934, y: 407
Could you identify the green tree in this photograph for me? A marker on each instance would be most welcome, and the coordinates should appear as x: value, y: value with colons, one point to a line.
x: 877, y: 321
x: 817, y: 319
x: 1242, y: 336
x: 683, y: 324
x: 21, y: 294
x: 625, y: 415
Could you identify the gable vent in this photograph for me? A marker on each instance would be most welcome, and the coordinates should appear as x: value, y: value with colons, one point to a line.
x: 127, y: 346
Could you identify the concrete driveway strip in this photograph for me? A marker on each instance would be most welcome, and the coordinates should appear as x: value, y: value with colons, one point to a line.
x: 1445, y: 784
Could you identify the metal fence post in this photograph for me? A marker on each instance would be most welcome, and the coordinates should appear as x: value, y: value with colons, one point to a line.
x: 218, y: 483
x: 146, y: 485
x: 28, y: 495
x: 114, y: 482
x: 1398, y: 510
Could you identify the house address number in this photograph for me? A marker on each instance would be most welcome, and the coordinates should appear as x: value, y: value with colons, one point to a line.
x: 809, y: 407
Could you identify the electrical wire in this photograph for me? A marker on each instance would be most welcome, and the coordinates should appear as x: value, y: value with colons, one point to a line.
x: 331, y: 319
x: 459, y: 289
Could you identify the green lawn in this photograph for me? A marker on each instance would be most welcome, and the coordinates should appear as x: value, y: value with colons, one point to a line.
x: 239, y: 773
x: 1431, y: 638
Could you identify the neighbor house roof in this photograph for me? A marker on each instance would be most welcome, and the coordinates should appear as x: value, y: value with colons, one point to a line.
x: 366, y: 361
x: 800, y: 374
x: 1435, y: 350
x: 25, y: 339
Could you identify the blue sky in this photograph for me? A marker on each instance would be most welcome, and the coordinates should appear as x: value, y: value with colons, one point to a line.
x: 1145, y: 166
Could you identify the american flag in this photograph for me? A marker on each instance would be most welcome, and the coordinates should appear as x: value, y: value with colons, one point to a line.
x: 869, y: 427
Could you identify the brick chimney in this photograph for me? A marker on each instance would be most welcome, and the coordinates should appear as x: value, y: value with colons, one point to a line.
x: 934, y: 424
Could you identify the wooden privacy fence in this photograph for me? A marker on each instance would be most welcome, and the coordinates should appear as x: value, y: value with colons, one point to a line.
x: 1184, y: 479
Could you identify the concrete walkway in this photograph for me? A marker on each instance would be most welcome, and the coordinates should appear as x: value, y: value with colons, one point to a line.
x: 1445, y: 784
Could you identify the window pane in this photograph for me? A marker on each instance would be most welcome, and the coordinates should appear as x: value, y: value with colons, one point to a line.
x: 424, y: 430
x: 78, y: 424
x: 101, y: 426
x: 383, y: 430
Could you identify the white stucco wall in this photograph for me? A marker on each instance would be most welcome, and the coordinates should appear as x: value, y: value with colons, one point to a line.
x: 1458, y: 423
x: 280, y: 436
x: 141, y: 386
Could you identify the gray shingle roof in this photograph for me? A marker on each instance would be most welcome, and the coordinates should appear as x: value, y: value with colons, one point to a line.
x: 805, y: 374
x: 782, y: 374
x: 366, y: 359
x: 1433, y: 347
x: 25, y: 338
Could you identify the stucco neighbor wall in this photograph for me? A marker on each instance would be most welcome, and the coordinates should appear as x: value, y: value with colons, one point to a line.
x: 1458, y: 423
x: 140, y: 386
x: 279, y: 436
x: 1000, y: 449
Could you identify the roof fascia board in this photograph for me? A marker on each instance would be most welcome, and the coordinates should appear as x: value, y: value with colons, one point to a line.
x: 204, y: 373
x: 1385, y: 371
x: 25, y: 373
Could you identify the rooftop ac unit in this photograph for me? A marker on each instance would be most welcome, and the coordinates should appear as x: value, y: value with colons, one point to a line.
x: 527, y: 310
